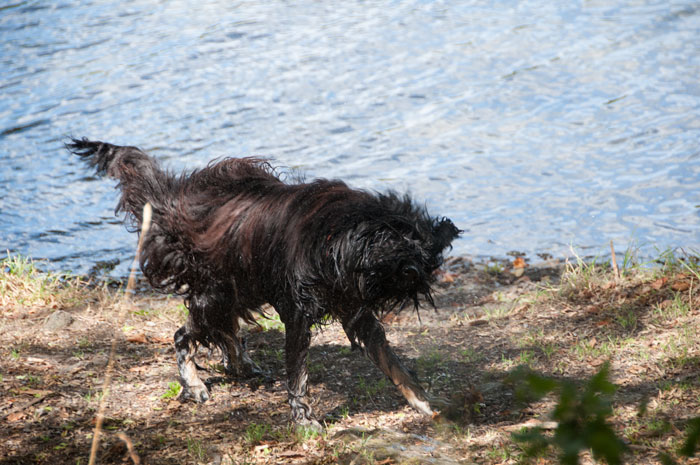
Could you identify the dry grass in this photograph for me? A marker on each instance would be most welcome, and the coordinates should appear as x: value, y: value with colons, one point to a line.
x: 23, y: 286
x: 563, y: 322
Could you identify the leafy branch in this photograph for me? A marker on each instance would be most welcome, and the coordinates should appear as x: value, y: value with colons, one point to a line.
x: 581, y: 415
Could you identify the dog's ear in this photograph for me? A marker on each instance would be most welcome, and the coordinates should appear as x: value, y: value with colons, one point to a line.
x: 444, y: 232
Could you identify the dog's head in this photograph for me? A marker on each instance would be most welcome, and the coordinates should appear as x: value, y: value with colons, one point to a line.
x: 398, y: 253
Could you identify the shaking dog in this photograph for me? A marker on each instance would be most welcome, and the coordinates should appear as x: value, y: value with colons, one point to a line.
x: 232, y: 237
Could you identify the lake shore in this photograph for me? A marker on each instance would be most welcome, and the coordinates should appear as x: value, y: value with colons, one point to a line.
x: 562, y: 320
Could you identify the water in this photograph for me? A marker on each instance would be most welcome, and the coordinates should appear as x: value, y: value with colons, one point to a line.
x: 534, y: 125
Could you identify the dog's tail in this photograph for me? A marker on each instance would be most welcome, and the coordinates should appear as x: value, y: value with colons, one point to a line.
x: 140, y: 178
x: 112, y: 160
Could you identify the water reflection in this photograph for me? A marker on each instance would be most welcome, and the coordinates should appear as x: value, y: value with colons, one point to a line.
x: 535, y: 125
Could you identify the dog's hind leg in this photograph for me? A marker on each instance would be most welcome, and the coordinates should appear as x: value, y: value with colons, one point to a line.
x: 237, y: 362
x: 371, y: 335
x: 185, y: 348
x: 296, y: 347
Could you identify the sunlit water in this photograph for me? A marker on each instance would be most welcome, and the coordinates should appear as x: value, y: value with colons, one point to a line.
x: 534, y: 125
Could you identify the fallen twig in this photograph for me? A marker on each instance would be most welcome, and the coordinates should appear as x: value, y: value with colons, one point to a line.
x: 614, y: 260
x: 130, y: 447
x: 145, y: 224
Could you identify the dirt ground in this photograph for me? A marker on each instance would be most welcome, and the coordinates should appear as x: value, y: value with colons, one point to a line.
x: 490, y: 318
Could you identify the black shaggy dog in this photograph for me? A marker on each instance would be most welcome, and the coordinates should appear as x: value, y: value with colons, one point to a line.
x: 233, y: 236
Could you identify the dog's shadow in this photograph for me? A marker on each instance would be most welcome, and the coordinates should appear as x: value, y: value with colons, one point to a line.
x: 342, y: 380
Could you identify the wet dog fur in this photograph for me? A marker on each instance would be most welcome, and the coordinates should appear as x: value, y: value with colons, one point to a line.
x: 232, y: 237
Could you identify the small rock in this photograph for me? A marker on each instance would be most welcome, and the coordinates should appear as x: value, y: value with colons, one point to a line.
x: 58, y: 320
x: 70, y: 370
x: 98, y: 361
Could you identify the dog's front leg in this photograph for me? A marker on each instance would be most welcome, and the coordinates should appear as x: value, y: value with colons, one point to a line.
x: 192, y: 387
x: 373, y: 339
x: 297, y: 341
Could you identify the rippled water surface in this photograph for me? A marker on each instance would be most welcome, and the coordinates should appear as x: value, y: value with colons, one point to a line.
x: 535, y: 125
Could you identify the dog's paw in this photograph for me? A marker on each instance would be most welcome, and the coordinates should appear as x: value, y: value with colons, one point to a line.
x: 197, y: 393
x: 307, y: 425
x: 416, y: 397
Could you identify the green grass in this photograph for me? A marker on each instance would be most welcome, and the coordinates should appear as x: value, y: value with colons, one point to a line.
x: 670, y: 263
x: 626, y: 318
x: 592, y: 348
x: 470, y: 355
x: 22, y: 283
x: 255, y: 432
x: 498, y: 311
x: 272, y: 353
x: 181, y: 310
x: 494, y: 268
x: 303, y: 434
x: 629, y: 260
x: 270, y: 323
x: 506, y: 362
x: 500, y: 453
x: 370, y: 389
x: 526, y: 357
x: 291, y: 433
x: 432, y: 366
x: 145, y: 312
x: 672, y: 309
x: 17, y: 265
x: 536, y: 340
x: 344, y: 351
x: 196, y: 449
x: 173, y: 390
x: 316, y: 368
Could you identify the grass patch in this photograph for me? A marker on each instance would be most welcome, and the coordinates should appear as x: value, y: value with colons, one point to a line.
x: 173, y: 391
x: 470, y: 355
x: 255, y: 432
x: 196, y: 450
x: 22, y: 284
x: 302, y: 434
x: 592, y: 348
x: 676, y: 307
x: 497, y: 311
x: 369, y: 390
x: 270, y: 322
x: 432, y: 367
x: 535, y: 340
x: 671, y: 263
